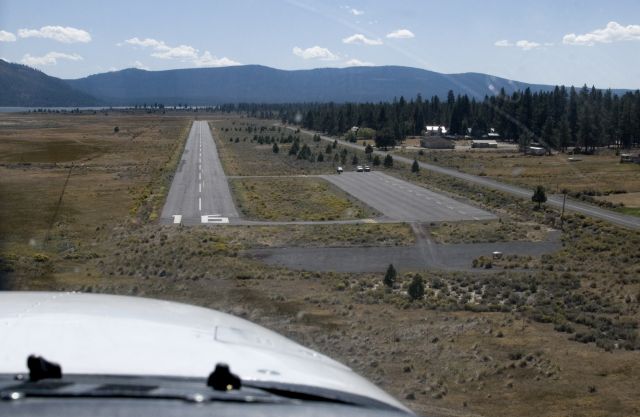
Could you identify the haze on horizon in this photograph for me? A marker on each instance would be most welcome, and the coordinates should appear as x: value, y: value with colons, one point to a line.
x: 572, y: 43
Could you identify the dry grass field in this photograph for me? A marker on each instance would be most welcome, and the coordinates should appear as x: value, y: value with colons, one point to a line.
x: 495, y: 231
x: 601, y: 173
x: 551, y: 338
x: 300, y: 198
x: 243, y: 155
x: 69, y: 176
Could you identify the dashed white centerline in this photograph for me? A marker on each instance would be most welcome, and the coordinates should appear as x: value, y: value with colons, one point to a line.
x: 199, y: 204
x: 200, y: 187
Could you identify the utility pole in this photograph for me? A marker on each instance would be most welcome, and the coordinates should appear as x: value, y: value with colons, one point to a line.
x: 564, y: 200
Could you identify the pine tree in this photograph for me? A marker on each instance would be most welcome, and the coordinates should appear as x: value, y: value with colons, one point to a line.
x: 305, y: 152
x: 275, y: 148
x: 415, y: 167
x: 562, y: 134
x: 368, y: 150
x: 294, y: 148
x: 539, y: 196
x: 388, y: 161
x: 390, y: 276
x: 416, y: 288
x: 376, y: 160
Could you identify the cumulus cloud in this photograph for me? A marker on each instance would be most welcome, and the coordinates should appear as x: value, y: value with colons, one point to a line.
x: 57, y: 33
x: 359, y: 38
x: 613, y: 32
x: 522, y: 44
x: 209, y: 60
x: 183, y: 53
x: 164, y: 51
x: 139, y: 65
x: 315, y: 52
x: 50, y: 58
x: 401, y: 34
x: 527, y: 45
x: 503, y: 43
x: 147, y: 42
x: 356, y: 12
x: 357, y: 63
x: 7, y: 36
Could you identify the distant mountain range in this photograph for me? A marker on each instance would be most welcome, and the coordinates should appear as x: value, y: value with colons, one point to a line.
x: 23, y: 86
x: 255, y: 83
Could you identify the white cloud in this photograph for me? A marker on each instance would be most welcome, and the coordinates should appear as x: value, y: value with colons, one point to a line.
x: 522, y: 44
x: 208, y: 60
x: 401, y: 34
x: 139, y: 65
x: 147, y: 42
x: 503, y: 43
x: 527, y: 45
x: 356, y: 12
x: 315, y: 52
x: 50, y: 58
x: 164, y: 51
x: 359, y: 38
x: 357, y: 63
x: 183, y: 53
x: 613, y: 32
x: 7, y: 36
x: 57, y: 33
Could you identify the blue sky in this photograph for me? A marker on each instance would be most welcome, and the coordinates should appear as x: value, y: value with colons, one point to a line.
x: 551, y: 42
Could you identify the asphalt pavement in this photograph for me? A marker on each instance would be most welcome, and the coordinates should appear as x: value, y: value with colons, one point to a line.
x: 425, y: 254
x: 401, y: 200
x: 632, y: 222
x: 199, y: 193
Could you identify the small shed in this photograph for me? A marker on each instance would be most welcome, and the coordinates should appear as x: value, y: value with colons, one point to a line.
x: 484, y: 143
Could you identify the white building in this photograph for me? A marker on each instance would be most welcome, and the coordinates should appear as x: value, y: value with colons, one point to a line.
x: 435, y: 130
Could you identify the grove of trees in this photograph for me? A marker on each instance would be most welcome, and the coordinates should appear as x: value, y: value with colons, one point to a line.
x: 557, y: 119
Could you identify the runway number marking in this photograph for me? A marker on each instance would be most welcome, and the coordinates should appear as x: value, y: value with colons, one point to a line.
x: 214, y: 218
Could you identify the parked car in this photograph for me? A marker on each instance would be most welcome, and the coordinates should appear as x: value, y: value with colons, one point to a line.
x: 339, y: 170
x: 367, y: 168
x: 359, y: 168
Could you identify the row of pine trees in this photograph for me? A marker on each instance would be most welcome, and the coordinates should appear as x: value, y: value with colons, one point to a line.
x: 557, y: 119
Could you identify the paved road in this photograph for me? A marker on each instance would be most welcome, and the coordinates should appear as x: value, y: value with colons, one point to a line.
x: 199, y: 192
x: 424, y: 254
x: 401, y: 200
x: 620, y: 219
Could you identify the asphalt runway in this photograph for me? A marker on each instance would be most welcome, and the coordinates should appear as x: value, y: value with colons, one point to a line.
x: 199, y: 193
x: 625, y: 220
x: 400, y: 200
